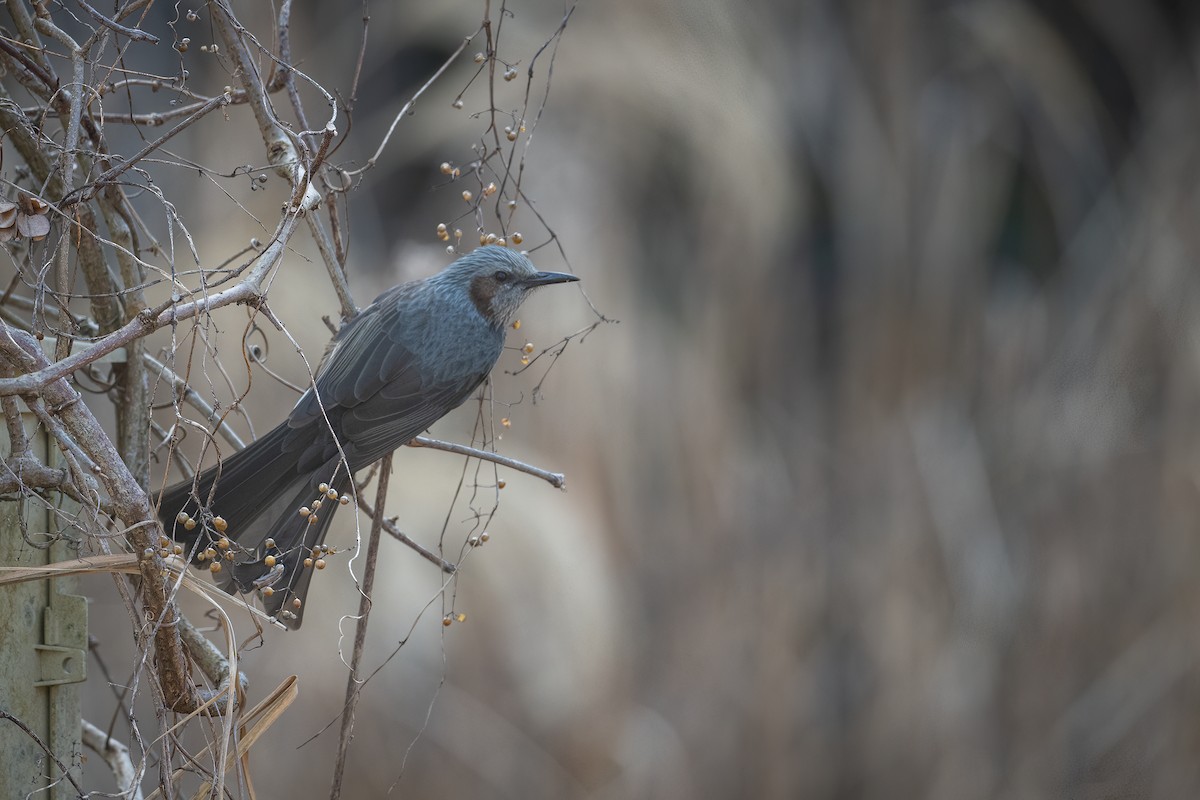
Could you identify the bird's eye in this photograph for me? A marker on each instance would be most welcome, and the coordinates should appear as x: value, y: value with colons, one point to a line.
x: 500, y: 275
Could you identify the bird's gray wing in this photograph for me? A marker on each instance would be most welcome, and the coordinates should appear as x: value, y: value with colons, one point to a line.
x: 357, y: 354
x: 397, y: 413
x: 372, y: 388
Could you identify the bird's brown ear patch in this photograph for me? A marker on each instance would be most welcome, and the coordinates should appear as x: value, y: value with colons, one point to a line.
x: 483, y: 289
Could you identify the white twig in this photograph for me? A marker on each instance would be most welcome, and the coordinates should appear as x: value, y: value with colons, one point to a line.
x: 116, y: 755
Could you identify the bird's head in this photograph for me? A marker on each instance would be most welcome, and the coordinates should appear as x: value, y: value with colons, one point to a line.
x: 498, y: 280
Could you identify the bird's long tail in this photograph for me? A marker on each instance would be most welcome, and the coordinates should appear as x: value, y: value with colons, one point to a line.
x: 293, y: 548
x: 239, y: 490
x: 258, y: 495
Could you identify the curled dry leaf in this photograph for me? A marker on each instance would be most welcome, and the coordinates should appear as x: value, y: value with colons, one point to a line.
x: 35, y: 227
x: 8, y: 214
x: 32, y: 206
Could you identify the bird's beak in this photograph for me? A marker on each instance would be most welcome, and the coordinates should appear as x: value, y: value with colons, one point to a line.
x: 547, y: 278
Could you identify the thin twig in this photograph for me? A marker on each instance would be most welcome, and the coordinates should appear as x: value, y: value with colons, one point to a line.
x: 337, y: 275
x: 249, y: 290
x: 360, y: 633
x: 195, y: 400
x: 46, y: 749
x: 35, y: 69
x: 405, y: 108
x: 555, y: 479
x: 28, y: 33
x: 74, y: 114
x: 110, y: 175
x: 406, y: 540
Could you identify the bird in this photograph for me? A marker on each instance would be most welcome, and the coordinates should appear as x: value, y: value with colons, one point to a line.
x: 258, y: 518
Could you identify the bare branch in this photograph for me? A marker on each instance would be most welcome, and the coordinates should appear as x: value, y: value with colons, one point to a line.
x: 281, y: 150
x: 149, y: 320
x: 110, y: 175
x: 284, y: 73
x: 194, y: 399
x: 133, y: 33
x: 375, y: 515
x: 18, y: 443
x: 25, y: 473
x: 116, y: 755
x: 131, y: 504
x: 212, y: 662
x: 353, y: 681
x: 555, y: 479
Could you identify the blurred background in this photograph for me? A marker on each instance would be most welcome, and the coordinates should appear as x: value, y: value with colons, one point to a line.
x: 884, y: 484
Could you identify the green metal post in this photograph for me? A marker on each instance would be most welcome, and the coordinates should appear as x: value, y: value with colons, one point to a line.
x: 43, y: 650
